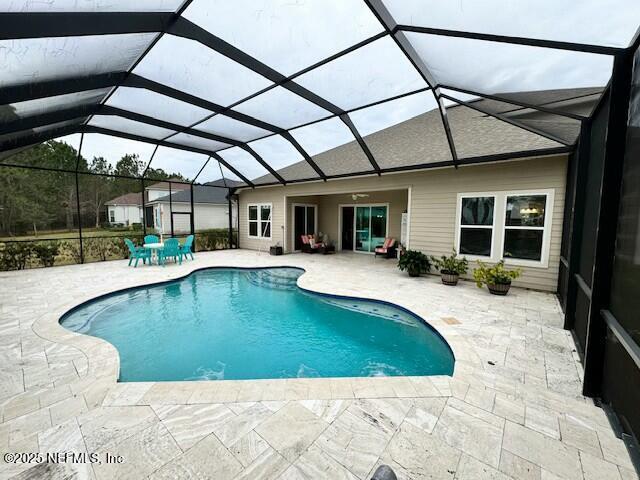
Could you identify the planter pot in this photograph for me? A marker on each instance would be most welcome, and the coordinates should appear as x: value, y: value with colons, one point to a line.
x: 414, y: 273
x: 450, y: 278
x: 499, y: 288
x: 275, y: 250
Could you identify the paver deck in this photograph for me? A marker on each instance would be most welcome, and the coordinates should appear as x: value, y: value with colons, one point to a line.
x: 513, y: 408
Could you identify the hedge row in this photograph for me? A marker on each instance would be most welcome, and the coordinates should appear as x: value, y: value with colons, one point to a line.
x: 22, y: 255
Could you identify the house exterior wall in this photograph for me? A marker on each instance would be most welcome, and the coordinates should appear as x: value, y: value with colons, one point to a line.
x: 125, y: 214
x: 432, y: 205
x: 206, y: 216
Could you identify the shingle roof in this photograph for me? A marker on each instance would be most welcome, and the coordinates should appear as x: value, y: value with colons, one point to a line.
x: 127, y: 199
x: 225, y: 182
x: 176, y: 184
x: 421, y: 139
x: 201, y: 194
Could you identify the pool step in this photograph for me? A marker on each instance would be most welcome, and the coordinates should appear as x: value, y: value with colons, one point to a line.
x: 281, y: 278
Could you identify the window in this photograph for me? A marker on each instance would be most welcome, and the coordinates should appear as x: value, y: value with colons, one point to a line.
x: 524, y: 227
x: 476, y: 226
x: 112, y: 216
x: 259, y: 220
x: 513, y: 226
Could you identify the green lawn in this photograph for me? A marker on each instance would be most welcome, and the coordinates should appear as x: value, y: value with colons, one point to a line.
x: 73, y: 234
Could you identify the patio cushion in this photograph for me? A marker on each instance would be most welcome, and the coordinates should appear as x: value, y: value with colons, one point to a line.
x: 305, y: 239
x: 388, y: 242
x: 381, y: 250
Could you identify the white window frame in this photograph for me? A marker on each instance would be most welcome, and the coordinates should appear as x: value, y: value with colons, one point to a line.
x: 259, y: 221
x: 491, y: 227
x: 546, y: 229
x: 499, y: 227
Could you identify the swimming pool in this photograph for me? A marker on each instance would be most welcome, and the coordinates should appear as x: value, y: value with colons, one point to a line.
x: 225, y: 323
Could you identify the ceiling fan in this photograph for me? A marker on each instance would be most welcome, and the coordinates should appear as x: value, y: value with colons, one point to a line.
x: 355, y: 196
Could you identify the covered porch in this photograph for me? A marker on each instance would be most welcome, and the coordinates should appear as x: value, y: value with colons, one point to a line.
x: 351, y: 222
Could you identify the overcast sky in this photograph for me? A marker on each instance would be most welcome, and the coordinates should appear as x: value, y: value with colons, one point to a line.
x: 290, y: 35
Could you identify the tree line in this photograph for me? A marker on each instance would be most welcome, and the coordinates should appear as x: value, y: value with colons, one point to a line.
x: 33, y: 200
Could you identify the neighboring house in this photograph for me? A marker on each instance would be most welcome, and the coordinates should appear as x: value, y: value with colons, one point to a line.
x: 504, y: 201
x: 125, y: 210
x: 210, y: 207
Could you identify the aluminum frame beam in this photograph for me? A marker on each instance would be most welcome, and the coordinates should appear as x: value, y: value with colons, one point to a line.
x: 378, y: 8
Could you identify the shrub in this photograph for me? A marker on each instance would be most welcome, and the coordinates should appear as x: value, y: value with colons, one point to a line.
x: 414, y: 262
x: 496, y: 275
x: 214, y: 239
x: 47, y: 252
x: 452, y: 264
x: 73, y: 249
x: 15, y: 256
x: 100, y: 248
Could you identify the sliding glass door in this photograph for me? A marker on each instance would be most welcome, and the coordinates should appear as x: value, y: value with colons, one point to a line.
x: 370, y: 227
x: 304, y: 223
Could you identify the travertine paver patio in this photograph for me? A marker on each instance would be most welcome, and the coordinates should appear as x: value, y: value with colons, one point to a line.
x: 513, y: 408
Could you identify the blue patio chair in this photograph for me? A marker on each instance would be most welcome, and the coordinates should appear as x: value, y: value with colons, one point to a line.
x: 187, y: 247
x: 137, y: 253
x: 171, y: 249
x: 151, y: 239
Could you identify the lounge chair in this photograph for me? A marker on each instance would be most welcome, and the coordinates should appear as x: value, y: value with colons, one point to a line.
x: 137, y: 253
x: 151, y: 239
x: 309, y: 244
x: 387, y: 249
x: 187, y: 247
x: 171, y: 249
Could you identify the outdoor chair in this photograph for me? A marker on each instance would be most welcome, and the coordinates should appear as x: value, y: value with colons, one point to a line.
x: 309, y: 244
x: 151, y: 239
x: 187, y: 247
x: 137, y: 253
x: 171, y: 249
x: 387, y: 249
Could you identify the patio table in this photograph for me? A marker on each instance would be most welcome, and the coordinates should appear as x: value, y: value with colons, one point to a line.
x: 154, y: 247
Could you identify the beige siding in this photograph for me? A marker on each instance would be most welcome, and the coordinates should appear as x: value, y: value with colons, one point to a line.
x: 433, y: 204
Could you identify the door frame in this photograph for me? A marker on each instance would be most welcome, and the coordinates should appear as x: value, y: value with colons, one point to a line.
x: 340, y: 207
x: 293, y: 221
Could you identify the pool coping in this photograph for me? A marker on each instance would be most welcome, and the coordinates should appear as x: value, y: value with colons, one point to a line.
x: 103, y: 361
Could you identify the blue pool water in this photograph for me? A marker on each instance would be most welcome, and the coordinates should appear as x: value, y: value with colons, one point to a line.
x: 250, y: 324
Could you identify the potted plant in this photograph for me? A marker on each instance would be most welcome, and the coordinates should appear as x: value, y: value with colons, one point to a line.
x: 275, y: 249
x: 414, y: 262
x: 451, y: 267
x: 496, y: 278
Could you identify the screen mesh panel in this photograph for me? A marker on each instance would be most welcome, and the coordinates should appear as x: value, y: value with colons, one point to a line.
x: 197, y: 142
x: 369, y: 74
x: 41, y: 59
x: 282, y: 108
x: 403, y: 132
x: 192, y: 67
x: 287, y: 36
x: 175, y: 163
x: 40, y: 106
x: 247, y: 70
x: 155, y: 105
x: 231, y: 128
x: 123, y: 156
x: 500, y: 68
x: 124, y: 125
x: 563, y: 20
x: 283, y: 156
x: 244, y: 162
x: 90, y: 6
x: 471, y: 129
